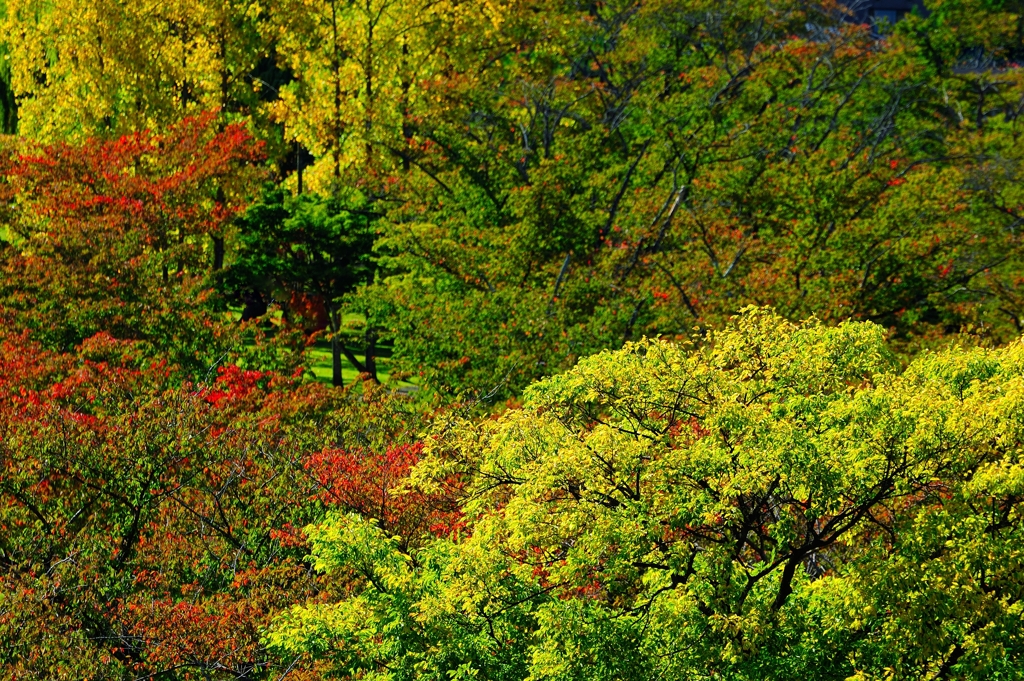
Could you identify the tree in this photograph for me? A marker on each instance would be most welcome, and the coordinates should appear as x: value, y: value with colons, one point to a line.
x: 86, y: 69
x: 630, y: 170
x: 556, y: 178
x: 151, y: 527
x: 781, y: 502
x: 8, y: 104
x: 317, y: 248
x: 113, y: 236
x: 366, y: 72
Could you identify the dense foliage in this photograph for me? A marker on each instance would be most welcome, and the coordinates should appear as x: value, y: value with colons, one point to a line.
x: 781, y: 503
x: 452, y: 339
x: 153, y: 525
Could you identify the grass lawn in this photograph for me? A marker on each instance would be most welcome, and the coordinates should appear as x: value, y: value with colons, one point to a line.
x: 319, y: 356
x: 320, y: 364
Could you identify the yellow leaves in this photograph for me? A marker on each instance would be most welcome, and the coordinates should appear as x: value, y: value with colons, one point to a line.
x: 359, y: 69
x: 496, y: 13
x: 653, y: 500
x: 86, y: 68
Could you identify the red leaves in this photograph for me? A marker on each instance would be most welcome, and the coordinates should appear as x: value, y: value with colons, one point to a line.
x: 170, y: 513
x: 234, y: 383
x: 375, y: 486
x: 187, y: 632
x: 142, y: 182
x: 25, y: 366
x: 112, y: 234
x: 660, y: 295
x: 289, y: 536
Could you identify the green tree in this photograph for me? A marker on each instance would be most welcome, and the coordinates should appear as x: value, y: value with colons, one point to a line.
x: 781, y: 502
x: 309, y: 245
x: 642, y: 169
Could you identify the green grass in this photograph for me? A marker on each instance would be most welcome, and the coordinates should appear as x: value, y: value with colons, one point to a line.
x: 320, y: 364
x: 319, y: 356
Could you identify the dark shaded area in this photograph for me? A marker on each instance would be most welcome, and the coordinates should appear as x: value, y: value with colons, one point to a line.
x: 8, y: 104
x: 877, y: 11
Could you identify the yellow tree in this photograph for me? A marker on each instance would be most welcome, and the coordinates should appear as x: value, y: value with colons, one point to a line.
x: 366, y: 71
x: 87, y: 67
x: 781, y: 502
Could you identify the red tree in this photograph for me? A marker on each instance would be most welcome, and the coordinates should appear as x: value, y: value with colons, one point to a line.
x: 114, y: 235
x: 150, y: 527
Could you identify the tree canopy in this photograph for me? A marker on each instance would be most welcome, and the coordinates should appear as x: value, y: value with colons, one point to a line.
x: 511, y: 339
x: 783, y: 501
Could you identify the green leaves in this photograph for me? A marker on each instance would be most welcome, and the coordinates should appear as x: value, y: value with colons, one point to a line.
x: 780, y: 501
x: 407, y: 616
x: 306, y: 244
x: 643, y: 169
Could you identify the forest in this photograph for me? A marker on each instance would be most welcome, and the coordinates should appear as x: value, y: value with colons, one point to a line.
x: 511, y: 340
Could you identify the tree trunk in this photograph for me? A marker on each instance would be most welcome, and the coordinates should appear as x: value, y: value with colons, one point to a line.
x: 406, y: 85
x: 336, y: 72
x: 336, y: 350
x: 371, y: 359
x: 369, y: 363
x: 218, y: 239
x: 255, y: 306
x: 218, y: 252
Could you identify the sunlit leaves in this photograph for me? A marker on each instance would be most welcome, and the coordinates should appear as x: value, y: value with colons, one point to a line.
x: 783, y: 501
